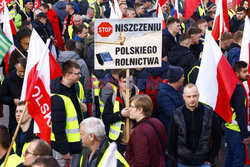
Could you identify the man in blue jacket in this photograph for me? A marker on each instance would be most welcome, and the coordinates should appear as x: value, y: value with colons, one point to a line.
x: 170, y: 94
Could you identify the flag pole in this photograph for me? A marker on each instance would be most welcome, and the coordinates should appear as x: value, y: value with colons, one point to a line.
x: 19, y: 51
x: 21, y: 8
x: 14, y: 137
x: 127, y: 105
x: 203, y: 8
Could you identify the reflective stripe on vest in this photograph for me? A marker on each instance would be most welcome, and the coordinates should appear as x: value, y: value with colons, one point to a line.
x: 234, y: 125
x: 72, y: 126
x: 231, y: 13
x: 81, y: 91
x: 13, y: 160
x: 201, y: 11
x: 117, y: 155
x: 115, y: 128
x: 183, y: 28
x: 101, y: 103
x: 191, y: 72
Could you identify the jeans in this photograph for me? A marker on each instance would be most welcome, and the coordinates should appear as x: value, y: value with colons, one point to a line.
x: 236, y: 154
x: 74, y: 162
x: 203, y: 165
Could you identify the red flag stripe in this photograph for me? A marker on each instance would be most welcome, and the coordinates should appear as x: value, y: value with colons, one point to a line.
x: 227, y: 81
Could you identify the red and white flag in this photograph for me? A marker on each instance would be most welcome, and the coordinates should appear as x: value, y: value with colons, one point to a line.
x: 190, y: 7
x: 36, y: 85
x: 37, y: 4
x: 2, y: 3
x: 176, y: 7
x: 160, y: 16
x: 221, y: 19
x: 216, y: 80
x: 161, y: 3
x: 245, y: 48
x: 9, y: 30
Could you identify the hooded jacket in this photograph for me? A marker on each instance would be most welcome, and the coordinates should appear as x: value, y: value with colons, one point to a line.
x: 168, y: 99
x: 168, y: 42
x: 59, y: 7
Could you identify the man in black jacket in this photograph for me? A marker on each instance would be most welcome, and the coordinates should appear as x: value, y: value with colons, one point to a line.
x: 66, y: 115
x: 238, y: 20
x: 10, y: 90
x: 170, y: 35
x: 196, y: 46
x: 181, y: 56
x: 39, y: 24
x: 192, y: 127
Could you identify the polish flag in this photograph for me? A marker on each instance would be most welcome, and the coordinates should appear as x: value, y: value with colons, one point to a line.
x: 37, y: 3
x: 221, y: 19
x: 176, y: 7
x: 118, y: 10
x: 160, y: 2
x: 3, y: 3
x: 36, y: 86
x: 113, y: 14
x: 216, y: 80
x: 9, y: 30
x: 160, y: 16
x: 245, y: 48
x: 190, y: 7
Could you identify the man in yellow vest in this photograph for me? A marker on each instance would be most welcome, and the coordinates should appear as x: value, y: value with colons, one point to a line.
x: 95, y: 144
x: 66, y: 115
x: 115, y: 111
x: 13, y: 159
x: 36, y: 149
x: 236, y: 132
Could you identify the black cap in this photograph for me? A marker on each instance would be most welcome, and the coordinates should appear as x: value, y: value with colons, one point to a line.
x: 210, y: 5
x: 26, y: 1
x: 174, y: 74
x: 42, y: 15
x: 208, y: 18
x: 23, y: 32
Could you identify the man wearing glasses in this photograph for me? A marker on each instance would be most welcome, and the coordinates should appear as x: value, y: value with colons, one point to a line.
x: 66, y: 115
x: 37, y: 148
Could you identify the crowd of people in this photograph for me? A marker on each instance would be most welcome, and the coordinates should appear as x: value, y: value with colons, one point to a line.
x: 89, y: 107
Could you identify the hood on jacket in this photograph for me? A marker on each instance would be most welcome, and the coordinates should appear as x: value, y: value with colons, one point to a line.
x: 233, y: 45
x: 52, y: 13
x: 58, y: 88
x: 89, y: 40
x: 66, y: 55
x: 109, y: 78
x: 60, y: 5
x: 168, y: 88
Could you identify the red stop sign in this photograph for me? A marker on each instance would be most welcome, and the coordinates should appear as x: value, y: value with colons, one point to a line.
x: 105, y: 29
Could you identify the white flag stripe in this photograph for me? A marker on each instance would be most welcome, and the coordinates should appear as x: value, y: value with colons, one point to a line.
x: 33, y: 58
x: 208, y: 71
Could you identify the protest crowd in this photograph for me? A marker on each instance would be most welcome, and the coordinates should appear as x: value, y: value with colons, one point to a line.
x: 154, y: 115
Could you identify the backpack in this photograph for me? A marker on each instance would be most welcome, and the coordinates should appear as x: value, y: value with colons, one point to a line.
x: 152, y: 86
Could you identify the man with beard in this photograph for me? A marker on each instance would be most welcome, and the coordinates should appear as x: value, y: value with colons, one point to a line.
x: 238, y: 20
x: 236, y: 132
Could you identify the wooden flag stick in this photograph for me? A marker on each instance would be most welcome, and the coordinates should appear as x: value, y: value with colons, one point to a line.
x: 127, y: 105
x: 14, y: 137
x: 21, y: 8
x: 19, y: 51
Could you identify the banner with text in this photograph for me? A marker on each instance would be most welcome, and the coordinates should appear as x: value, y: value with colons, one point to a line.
x: 128, y: 43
